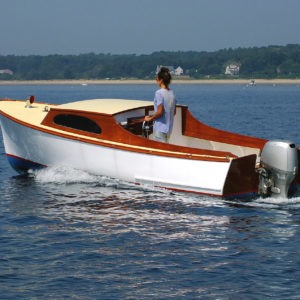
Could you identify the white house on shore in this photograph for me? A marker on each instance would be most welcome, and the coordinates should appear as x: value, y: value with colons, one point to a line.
x: 233, y: 69
x: 6, y: 71
x: 176, y: 72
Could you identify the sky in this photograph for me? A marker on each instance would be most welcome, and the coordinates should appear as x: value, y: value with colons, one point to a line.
x: 43, y: 27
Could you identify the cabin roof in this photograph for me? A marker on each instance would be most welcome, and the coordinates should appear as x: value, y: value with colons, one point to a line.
x: 106, y: 106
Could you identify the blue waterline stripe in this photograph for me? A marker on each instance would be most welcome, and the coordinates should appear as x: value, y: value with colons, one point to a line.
x: 22, y: 165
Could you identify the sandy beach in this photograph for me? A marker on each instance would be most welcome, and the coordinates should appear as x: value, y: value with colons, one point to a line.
x: 137, y: 81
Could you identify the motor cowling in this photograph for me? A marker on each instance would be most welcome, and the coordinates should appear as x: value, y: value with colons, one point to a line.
x: 278, y: 168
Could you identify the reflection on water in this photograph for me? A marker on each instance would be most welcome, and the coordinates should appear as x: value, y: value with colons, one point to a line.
x: 112, y: 206
x: 109, y: 205
x: 138, y: 241
x: 67, y: 234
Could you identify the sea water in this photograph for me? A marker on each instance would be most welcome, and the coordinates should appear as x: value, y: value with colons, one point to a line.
x: 68, y: 234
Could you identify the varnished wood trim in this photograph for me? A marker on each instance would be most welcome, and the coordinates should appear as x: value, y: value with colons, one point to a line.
x: 112, y: 131
x: 241, y: 177
x: 48, y: 120
x: 115, y: 133
x: 194, y: 128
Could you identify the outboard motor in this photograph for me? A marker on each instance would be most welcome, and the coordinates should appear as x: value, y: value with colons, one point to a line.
x: 278, y: 168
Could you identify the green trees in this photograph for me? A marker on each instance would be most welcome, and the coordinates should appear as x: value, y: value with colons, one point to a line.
x: 264, y: 62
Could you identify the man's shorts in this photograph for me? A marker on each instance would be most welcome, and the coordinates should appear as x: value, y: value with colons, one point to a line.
x: 161, y: 136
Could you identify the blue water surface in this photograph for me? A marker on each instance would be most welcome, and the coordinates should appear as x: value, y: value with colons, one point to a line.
x: 67, y: 234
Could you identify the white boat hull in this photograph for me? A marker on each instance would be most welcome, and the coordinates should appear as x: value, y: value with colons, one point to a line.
x: 27, y: 147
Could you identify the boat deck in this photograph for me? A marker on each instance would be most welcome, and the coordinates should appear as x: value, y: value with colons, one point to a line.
x: 187, y: 138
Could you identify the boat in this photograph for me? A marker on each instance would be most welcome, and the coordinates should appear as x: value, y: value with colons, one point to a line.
x: 252, y: 83
x: 109, y: 137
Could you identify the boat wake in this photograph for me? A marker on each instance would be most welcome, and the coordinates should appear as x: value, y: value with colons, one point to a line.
x: 109, y: 206
x: 62, y: 175
x: 65, y: 175
x: 277, y: 202
x: 270, y: 203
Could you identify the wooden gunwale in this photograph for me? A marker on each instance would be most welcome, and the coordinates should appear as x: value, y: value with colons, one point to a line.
x: 194, y: 128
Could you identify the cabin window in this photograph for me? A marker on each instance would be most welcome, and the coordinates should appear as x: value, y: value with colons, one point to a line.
x: 77, y: 122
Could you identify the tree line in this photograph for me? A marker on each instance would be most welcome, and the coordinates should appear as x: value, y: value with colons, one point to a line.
x: 254, y: 62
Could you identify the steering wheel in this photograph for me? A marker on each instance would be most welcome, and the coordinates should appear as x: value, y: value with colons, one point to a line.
x: 146, y: 129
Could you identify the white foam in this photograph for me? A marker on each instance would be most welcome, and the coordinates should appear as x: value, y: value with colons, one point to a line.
x: 279, y: 201
x: 68, y: 175
x: 271, y: 202
x: 62, y: 175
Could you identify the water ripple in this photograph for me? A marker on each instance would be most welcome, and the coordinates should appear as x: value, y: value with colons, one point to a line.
x: 67, y: 234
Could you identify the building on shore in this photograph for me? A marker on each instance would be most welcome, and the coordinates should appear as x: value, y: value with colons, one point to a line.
x: 6, y: 71
x: 233, y: 69
x: 173, y: 71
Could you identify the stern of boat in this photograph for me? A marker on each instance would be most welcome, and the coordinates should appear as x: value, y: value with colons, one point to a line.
x: 242, y: 179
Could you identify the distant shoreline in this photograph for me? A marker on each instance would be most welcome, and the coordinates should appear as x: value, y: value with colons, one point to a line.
x: 141, y: 81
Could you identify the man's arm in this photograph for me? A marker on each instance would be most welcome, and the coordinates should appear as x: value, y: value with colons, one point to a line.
x: 158, y: 114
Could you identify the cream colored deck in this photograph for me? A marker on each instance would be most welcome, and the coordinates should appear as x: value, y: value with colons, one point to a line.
x: 35, y: 115
x: 32, y: 116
